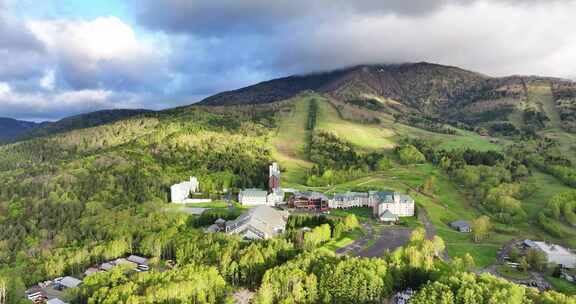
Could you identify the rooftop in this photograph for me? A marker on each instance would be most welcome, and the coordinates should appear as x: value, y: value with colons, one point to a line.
x: 254, y: 192
x: 311, y: 195
x: 70, y: 282
x: 553, y: 248
x: 460, y: 223
x: 263, y: 218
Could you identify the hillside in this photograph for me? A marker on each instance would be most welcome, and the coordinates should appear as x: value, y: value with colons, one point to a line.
x: 12, y: 128
x: 424, y: 93
x: 93, y: 191
x: 81, y: 121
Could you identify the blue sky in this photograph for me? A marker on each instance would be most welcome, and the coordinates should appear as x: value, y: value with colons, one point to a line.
x: 74, y: 56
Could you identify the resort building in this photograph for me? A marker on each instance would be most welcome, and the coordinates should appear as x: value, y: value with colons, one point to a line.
x: 388, y: 217
x: 262, y: 222
x: 399, y: 204
x: 274, y: 178
x: 312, y: 201
x: 556, y: 254
x: 67, y: 282
x: 253, y: 197
x: 349, y: 200
x: 180, y: 193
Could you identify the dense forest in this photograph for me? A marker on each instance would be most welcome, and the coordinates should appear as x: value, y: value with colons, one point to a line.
x: 73, y: 200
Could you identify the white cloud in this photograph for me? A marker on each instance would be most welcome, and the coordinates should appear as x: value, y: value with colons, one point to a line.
x: 58, y: 104
x: 101, y: 53
x: 4, y: 89
x: 48, y: 80
x: 103, y: 38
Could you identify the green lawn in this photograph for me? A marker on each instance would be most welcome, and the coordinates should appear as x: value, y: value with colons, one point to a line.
x: 290, y: 141
x: 562, y: 285
x: 467, y: 139
x: 368, y: 136
x: 363, y: 214
x: 450, y: 204
x: 512, y: 273
x: 346, y: 239
x: 212, y: 205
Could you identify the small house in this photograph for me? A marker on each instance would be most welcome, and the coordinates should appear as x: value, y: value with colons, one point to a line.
x: 55, y: 301
x: 138, y: 260
x: 106, y: 266
x: 262, y: 222
x: 461, y: 226
x: 68, y: 282
x: 90, y: 271
x: 253, y: 197
x: 123, y: 261
x: 557, y: 254
x: 529, y: 244
x: 388, y: 217
x: 312, y: 201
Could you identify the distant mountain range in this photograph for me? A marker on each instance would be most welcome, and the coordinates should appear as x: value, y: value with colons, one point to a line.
x: 413, y: 92
x: 11, y: 129
x: 429, y: 90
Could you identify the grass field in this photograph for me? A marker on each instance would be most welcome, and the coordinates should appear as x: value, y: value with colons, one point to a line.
x: 449, y: 203
x: 541, y: 94
x: 290, y: 141
x: 346, y: 239
x: 562, y: 285
x: 512, y: 273
x: 367, y: 136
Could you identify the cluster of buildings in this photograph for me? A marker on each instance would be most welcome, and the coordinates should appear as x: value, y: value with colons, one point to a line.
x: 274, y: 196
x: 48, y: 292
x: 180, y: 193
x: 386, y: 206
x: 262, y: 222
x: 554, y: 253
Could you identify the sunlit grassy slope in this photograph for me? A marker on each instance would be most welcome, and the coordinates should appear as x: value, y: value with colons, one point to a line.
x: 450, y: 202
x: 367, y: 136
x: 542, y: 96
x: 290, y: 139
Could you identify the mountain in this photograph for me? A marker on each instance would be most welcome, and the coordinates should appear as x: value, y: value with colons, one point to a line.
x: 81, y: 121
x: 11, y: 128
x: 411, y: 83
x: 99, y: 190
x: 431, y: 91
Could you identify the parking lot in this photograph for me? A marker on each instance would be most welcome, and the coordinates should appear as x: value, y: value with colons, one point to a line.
x: 387, y: 239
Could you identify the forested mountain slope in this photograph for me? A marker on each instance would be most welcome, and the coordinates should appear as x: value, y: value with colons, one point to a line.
x: 76, y: 198
x: 11, y: 128
x: 422, y: 91
x: 81, y: 121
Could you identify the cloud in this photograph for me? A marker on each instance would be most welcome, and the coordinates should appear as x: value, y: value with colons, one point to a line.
x: 282, y: 37
x: 47, y: 82
x: 101, y: 53
x: 54, y: 105
x: 179, y: 51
